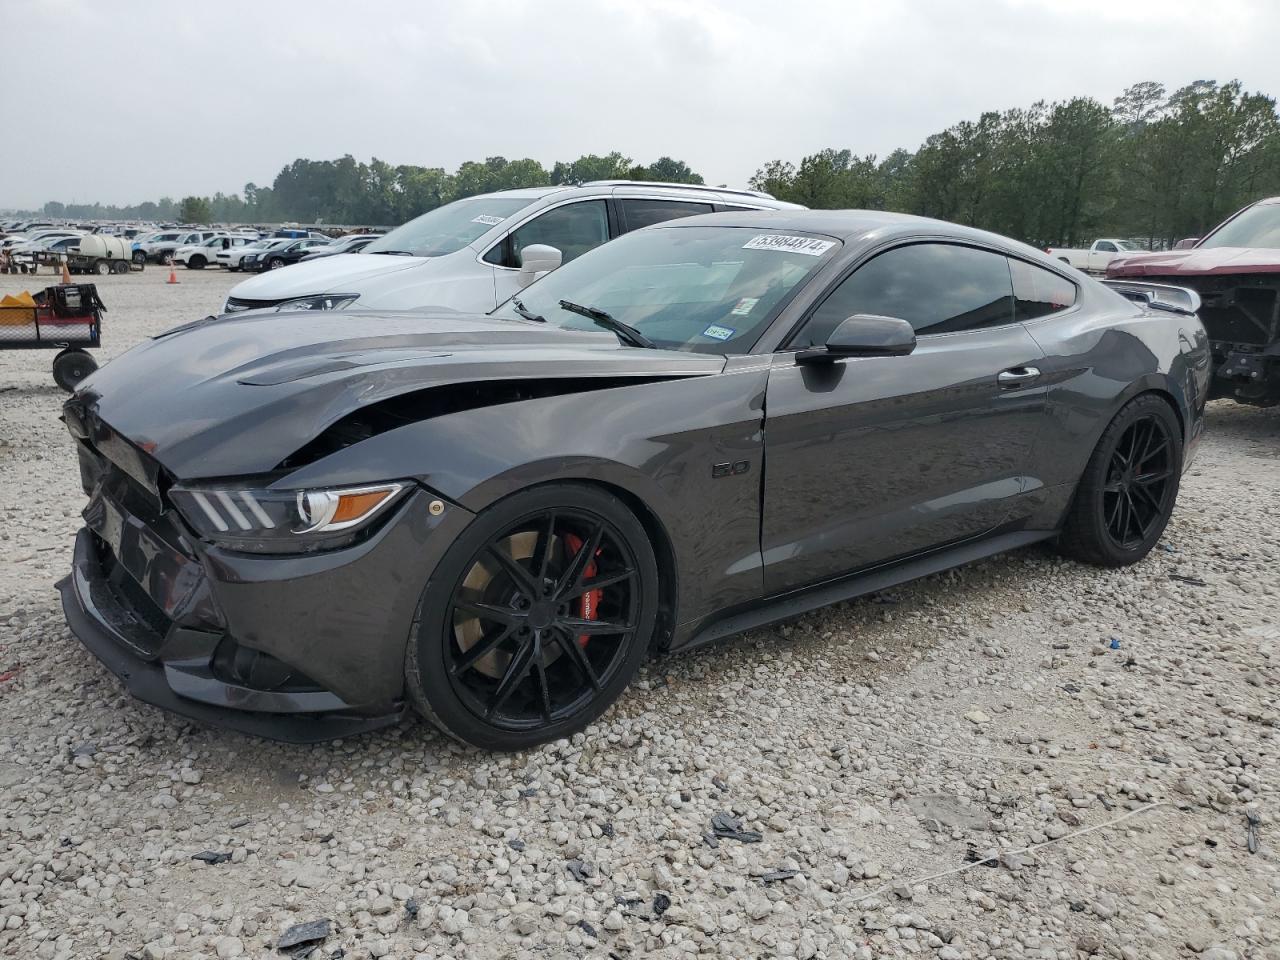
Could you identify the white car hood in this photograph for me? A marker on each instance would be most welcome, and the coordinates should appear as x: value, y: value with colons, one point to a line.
x: 333, y: 274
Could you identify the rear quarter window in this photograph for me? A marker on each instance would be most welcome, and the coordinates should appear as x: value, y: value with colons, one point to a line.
x: 1038, y: 292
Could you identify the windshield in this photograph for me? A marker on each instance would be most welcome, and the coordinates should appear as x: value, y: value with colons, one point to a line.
x: 449, y: 228
x: 1259, y: 226
x: 702, y: 289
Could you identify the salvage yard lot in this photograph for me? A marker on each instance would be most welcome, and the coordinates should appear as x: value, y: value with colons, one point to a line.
x: 984, y: 711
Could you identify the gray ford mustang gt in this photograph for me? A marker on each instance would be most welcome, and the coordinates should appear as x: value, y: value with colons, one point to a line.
x: 301, y: 524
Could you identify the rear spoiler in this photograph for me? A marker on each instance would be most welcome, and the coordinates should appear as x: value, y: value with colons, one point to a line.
x: 1161, y: 296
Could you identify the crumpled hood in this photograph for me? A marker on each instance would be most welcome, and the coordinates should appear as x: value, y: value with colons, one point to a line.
x: 236, y: 396
x: 335, y: 274
x: 1197, y: 262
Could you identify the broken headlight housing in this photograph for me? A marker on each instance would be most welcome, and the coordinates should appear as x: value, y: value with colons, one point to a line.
x: 261, y: 520
x: 325, y: 301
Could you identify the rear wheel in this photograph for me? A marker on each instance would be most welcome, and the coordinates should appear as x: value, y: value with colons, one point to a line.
x: 535, y: 620
x: 1128, y: 490
x: 119, y: 266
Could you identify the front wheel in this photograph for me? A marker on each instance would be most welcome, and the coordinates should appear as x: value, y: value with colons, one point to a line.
x: 535, y: 619
x: 196, y: 263
x: 1126, y: 494
x: 102, y: 267
x: 275, y: 263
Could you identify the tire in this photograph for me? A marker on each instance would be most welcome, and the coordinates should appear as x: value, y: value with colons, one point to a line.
x: 102, y: 267
x: 487, y: 621
x: 1121, y: 507
x: 139, y: 258
x: 72, y: 366
x: 275, y: 263
x: 120, y: 266
x: 196, y: 263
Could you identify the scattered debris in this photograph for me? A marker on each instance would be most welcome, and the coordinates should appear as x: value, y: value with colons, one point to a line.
x: 580, y: 870
x: 1194, y: 581
x: 211, y: 857
x: 773, y: 876
x: 411, y: 907
x: 588, y: 929
x: 1115, y: 643
x: 84, y: 750
x: 238, y: 822
x: 311, y: 932
x: 1253, y: 821
x: 528, y: 792
x: 661, y: 903
x: 726, y: 826
x: 516, y: 845
x: 971, y: 855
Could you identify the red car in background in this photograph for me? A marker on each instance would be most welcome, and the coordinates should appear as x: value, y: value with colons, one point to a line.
x: 1236, y: 271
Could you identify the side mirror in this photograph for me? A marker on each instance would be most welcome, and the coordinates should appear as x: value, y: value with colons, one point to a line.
x: 536, y: 260
x: 863, y: 335
x: 1186, y: 244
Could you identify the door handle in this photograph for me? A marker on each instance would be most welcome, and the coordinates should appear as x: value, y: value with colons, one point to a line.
x: 1016, y: 377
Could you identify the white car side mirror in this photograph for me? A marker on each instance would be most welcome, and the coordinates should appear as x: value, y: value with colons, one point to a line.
x: 536, y: 260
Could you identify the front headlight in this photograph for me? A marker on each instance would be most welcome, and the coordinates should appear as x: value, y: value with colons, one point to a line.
x: 325, y: 301
x: 283, y: 521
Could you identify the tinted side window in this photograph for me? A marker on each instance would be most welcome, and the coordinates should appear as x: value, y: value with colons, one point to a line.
x: 1037, y: 291
x: 936, y: 287
x: 643, y: 213
x: 572, y: 229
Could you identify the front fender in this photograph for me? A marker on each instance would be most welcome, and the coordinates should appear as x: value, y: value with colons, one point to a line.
x: 658, y: 442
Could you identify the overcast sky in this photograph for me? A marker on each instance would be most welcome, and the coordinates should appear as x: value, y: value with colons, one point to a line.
x: 130, y: 101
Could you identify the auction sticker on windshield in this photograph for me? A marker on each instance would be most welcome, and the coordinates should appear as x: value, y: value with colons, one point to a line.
x: 488, y: 220
x: 809, y: 246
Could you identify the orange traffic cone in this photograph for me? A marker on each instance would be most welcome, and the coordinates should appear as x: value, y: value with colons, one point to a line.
x: 66, y: 274
x: 173, y: 277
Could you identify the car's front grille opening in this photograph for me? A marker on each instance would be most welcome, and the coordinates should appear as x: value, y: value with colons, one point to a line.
x: 131, y: 610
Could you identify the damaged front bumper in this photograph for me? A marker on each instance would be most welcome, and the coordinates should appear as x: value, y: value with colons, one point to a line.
x: 300, y: 648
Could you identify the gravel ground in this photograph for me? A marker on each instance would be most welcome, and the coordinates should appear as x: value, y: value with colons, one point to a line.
x: 1106, y: 735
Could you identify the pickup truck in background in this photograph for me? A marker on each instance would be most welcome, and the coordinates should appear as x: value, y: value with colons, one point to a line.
x: 1097, y: 257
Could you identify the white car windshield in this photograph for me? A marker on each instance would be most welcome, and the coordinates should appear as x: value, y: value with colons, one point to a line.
x: 447, y: 229
x: 701, y: 289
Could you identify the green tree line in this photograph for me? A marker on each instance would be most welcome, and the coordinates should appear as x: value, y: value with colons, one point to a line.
x: 352, y: 192
x: 1153, y: 165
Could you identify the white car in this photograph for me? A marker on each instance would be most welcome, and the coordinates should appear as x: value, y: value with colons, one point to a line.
x: 164, y: 245
x: 469, y: 255
x: 1096, y: 258
x: 197, y: 256
x: 232, y: 258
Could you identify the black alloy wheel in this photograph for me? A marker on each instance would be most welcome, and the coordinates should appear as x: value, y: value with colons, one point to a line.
x: 547, y: 615
x: 1139, y: 479
x: 1128, y: 489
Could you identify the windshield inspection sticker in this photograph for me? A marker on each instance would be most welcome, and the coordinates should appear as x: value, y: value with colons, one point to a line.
x: 744, y: 306
x: 488, y: 220
x: 716, y: 332
x: 809, y: 246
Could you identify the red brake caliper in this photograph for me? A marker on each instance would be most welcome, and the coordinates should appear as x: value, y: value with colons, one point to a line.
x: 589, y: 602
